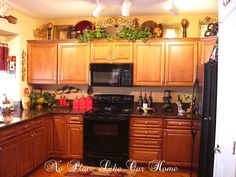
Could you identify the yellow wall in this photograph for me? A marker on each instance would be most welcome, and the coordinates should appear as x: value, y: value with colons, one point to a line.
x: 17, y: 35
x: 193, y: 29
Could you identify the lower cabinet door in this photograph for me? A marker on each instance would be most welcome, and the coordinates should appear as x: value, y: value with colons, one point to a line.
x: 177, y: 146
x: 145, y: 155
x: 74, y: 141
x: 9, y: 159
x: 39, y: 146
x: 26, y: 153
x: 58, y: 136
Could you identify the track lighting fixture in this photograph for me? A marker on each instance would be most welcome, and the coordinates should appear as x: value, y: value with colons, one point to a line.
x: 126, y: 6
x: 99, y: 9
x: 172, y: 8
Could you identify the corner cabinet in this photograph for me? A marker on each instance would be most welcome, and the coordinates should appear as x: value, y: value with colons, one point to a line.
x: 111, y: 52
x: 181, y: 63
x: 207, y: 45
x: 42, y: 63
x: 73, y: 63
x: 149, y: 64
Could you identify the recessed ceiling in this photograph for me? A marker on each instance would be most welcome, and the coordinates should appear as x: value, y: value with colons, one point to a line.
x: 84, y: 8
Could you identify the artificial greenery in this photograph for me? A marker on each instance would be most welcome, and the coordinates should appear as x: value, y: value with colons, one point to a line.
x: 132, y: 35
x: 125, y: 32
x: 48, y: 97
x: 90, y: 35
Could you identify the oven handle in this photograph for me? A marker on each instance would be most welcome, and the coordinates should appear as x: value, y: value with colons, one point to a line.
x: 108, y: 120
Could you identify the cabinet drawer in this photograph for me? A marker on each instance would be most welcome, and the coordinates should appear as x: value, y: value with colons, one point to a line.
x: 146, y: 143
x: 37, y: 123
x: 146, y: 132
x: 178, y: 124
x: 75, y: 119
x: 7, y: 134
x: 146, y: 122
x: 143, y: 155
x: 25, y: 127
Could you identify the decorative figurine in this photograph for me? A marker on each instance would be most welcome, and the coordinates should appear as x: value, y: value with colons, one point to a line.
x: 184, y: 23
x: 167, y: 104
x: 49, y: 27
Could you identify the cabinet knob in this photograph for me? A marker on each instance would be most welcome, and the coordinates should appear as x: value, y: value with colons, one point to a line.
x: 146, y: 122
x: 180, y: 123
x: 32, y: 135
x: 1, y: 149
x: 109, y: 59
x: 146, y: 133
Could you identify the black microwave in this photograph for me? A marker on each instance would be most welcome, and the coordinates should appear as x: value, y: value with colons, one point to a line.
x: 111, y: 75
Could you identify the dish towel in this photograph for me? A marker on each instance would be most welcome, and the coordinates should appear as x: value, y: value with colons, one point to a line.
x: 3, y: 58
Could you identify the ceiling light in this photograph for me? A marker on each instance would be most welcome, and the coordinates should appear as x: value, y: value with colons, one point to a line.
x: 172, y: 8
x: 99, y: 9
x: 5, y: 8
x: 126, y: 6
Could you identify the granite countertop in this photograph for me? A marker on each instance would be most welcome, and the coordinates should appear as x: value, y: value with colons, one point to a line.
x: 158, y: 113
x: 20, y: 115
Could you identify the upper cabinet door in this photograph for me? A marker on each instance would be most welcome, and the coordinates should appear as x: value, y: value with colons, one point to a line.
x: 122, y: 52
x: 42, y: 63
x: 181, y: 62
x: 73, y: 63
x: 101, y: 52
x: 111, y: 52
x: 207, y: 45
x: 149, y: 64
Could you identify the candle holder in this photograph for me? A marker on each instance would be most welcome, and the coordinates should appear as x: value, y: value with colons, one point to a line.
x: 49, y: 27
x: 184, y: 23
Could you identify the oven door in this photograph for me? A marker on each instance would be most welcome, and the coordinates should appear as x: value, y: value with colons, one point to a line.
x: 106, y: 138
x: 104, y: 75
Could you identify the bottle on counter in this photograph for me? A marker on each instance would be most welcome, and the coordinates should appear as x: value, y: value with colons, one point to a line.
x: 140, y: 100
x: 150, y: 100
x: 145, y: 102
x: 26, y: 101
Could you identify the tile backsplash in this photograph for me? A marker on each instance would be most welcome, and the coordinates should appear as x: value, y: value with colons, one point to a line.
x: 157, y: 92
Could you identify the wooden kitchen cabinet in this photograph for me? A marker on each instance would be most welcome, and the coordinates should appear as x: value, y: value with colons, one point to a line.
x: 111, y: 52
x: 181, y: 62
x: 59, y: 136
x: 9, y: 160
x: 73, y: 63
x: 74, y: 137
x: 178, y: 142
x: 145, y: 139
x: 42, y: 63
x: 32, y: 147
x: 149, y: 64
x: 206, y: 47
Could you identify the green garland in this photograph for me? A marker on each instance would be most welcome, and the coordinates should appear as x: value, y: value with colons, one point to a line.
x: 126, y: 32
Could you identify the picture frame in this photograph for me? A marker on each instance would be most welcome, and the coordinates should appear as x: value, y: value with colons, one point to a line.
x: 171, y: 30
x: 60, y: 31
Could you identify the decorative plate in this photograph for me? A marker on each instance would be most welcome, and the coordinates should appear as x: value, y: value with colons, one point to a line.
x: 149, y: 26
x: 82, y: 25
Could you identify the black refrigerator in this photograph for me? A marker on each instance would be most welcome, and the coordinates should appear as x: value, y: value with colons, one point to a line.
x: 205, y: 94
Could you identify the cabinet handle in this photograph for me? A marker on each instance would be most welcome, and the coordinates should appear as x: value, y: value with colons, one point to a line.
x: 217, y: 149
x: 81, y: 129
x: 234, y: 147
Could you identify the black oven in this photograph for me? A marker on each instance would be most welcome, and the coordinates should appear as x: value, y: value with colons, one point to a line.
x: 106, y: 138
x: 113, y: 75
x: 106, y: 129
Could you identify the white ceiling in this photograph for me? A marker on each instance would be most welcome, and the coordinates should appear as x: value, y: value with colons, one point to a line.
x: 84, y: 8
